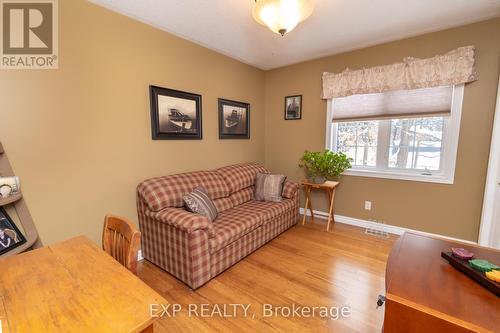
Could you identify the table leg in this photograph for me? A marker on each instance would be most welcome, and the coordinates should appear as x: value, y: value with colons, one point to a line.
x: 311, y: 206
x: 330, y: 213
x: 306, y: 205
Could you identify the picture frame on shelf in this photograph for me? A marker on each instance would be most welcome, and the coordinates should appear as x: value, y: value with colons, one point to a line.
x: 293, y: 107
x: 234, y: 119
x: 175, y: 115
x: 10, y: 236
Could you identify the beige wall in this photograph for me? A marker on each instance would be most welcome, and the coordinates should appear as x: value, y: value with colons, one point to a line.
x: 452, y: 210
x: 79, y: 137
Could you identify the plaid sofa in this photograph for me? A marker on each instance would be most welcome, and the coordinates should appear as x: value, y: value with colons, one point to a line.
x: 191, y: 247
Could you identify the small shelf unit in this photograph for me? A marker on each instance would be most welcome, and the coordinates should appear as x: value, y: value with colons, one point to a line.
x: 17, y: 202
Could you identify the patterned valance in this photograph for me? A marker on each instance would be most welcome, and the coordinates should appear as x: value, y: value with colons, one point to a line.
x: 455, y: 67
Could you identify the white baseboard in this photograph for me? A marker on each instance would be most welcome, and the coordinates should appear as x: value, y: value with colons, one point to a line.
x: 392, y: 229
x: 139, y: 255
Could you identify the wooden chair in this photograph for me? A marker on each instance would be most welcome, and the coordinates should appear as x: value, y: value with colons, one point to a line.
x: 121, y: 240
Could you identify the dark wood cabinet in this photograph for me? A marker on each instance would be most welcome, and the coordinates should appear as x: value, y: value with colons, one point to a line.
x: 424, y: 293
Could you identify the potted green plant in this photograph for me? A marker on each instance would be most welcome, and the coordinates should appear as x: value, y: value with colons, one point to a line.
x: 321, y: 166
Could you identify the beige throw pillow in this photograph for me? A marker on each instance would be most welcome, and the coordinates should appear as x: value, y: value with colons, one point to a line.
x: 268, y: 187
x: 199, y: 202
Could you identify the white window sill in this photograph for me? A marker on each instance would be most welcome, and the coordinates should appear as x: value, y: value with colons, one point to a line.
x: 440, y: 179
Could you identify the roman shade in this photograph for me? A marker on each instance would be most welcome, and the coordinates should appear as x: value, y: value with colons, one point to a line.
x: 453, y: 68
x: 393, y: 104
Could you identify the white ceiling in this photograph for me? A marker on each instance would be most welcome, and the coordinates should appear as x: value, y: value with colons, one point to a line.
x: 335, y: 26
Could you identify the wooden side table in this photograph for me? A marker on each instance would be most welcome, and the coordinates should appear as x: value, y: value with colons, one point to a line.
x: 329, y: 187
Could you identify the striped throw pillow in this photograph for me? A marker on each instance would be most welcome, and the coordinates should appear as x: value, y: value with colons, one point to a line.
x: 199, y: 202
x: 269, y: 187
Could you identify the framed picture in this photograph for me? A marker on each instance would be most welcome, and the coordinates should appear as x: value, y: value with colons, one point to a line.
x: 234, y: 120
x: 10, y: 236
x: 293, y: 107
x: 175, y: 115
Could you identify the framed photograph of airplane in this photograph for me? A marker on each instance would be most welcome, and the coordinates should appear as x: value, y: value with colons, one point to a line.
x: 234, y: 119
x: 175, y: 115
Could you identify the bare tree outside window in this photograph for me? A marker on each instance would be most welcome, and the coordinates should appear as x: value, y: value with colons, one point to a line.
x: 416, y: 143
x: 358, y: 140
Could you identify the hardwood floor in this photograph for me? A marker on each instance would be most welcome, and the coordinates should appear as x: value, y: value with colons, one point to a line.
x: 305, y: 266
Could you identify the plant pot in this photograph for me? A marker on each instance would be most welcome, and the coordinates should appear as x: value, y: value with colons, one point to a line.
x: 317, y: 179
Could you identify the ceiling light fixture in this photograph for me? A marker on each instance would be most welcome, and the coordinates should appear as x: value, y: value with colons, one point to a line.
x: 282, y: 16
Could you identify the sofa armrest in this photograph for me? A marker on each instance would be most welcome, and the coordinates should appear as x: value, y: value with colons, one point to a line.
x: 184, y: 220
x: 290, y: 189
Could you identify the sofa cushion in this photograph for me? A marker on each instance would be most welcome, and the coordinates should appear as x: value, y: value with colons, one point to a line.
x: 223, y: 204
x: 240, y: 220
x: 242, y: 196
x: 240, y: 176
x: 168, y: 191
x: 231, y: 225
x: 266, y: 210
x: 268, y: 187
x: 199, y: 202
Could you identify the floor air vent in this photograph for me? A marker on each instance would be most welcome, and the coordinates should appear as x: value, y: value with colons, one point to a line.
x: 376, y: 232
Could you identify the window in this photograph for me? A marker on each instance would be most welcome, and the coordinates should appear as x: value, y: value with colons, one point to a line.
x: 358, y: 139
x: 410, y: 135
x: 416, y: 143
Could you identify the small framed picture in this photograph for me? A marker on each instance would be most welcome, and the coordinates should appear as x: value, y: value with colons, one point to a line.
x: 293, y: 107
x: 175, y: 115
x: 234, y: 119
x: 10, y: 236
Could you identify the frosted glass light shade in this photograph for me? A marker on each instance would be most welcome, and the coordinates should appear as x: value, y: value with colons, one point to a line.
x: 282, y: 16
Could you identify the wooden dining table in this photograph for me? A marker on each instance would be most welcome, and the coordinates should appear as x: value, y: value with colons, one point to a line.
x: 72, y: 286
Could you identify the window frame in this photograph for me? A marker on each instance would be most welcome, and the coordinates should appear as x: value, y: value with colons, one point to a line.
x: 451, y: 133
